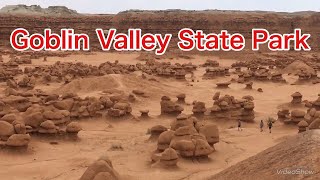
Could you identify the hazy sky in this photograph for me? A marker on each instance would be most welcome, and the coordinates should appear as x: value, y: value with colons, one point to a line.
x: 114, y: 6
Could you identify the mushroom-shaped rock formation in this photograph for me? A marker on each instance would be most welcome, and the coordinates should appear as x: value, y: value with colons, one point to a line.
x: 169, y: 107
x: 181, y: 98
x: 303, y: 126
x: 296, y: 98
x: 224, y: 105
x: 277, y: 77
x: 102, y: 165
x: 181, y: 121
x: 223, y: 85
x: 144, y: 113
x: 249, y: 85
x: 169, y: 157
x: 199, y: 108
x: 248, y: 98
x: 247, y: 113
x: 180, y: 74
x: 120, y: 109
x: 210, y: 63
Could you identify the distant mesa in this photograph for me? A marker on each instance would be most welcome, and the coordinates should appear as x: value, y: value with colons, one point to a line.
x: 38, y: 10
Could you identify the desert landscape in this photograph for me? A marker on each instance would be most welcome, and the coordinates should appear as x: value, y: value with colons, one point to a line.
x: 134, y: 115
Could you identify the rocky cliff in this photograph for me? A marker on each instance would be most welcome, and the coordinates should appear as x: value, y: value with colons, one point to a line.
x: 168, y: 21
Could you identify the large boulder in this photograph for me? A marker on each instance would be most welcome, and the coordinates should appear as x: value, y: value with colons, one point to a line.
x: 34, y: 119
x: 48, y: 127
x: 164, y: 140
x: 186, y: 148
x: 66, y: 104
x: 6, y: 129
x: 73, y: 127
x: 18, y: 140
x: 211, y: 132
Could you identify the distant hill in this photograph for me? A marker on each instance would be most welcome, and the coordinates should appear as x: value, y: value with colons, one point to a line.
x: 298, y: 154
x: 38, y: 10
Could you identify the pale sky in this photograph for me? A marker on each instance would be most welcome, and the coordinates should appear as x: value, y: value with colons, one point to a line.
x: 114, y: 6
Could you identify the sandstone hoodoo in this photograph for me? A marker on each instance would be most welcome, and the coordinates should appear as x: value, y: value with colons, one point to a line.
x: 181, y: 121
x: 277, y: 77
x: 229, y: 108
x: 120, y: 109
x: 169, y: 107
x: 199, y: 108
x: 296, y: 98
x: 212, y: 73
x: 303, y: 126
x: 181, y: 98
x: 223, y: 85
x: 249, y: 85
x: 188, y: 138
x: 180, y: 75
x: 144, y: 113
x: 210, y: 63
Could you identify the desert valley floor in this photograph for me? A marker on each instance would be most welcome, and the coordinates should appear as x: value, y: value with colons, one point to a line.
x: 127, y: 140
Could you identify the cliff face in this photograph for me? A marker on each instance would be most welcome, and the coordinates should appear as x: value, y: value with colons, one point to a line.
x: 38, y: 10
x: 169, y: 22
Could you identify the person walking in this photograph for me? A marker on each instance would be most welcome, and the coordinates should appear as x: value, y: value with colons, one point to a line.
x: 239, y: 125
x: 261, y: 125
x: 270, y: 125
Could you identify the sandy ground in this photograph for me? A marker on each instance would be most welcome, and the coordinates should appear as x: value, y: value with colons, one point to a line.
x: 67, y: 160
